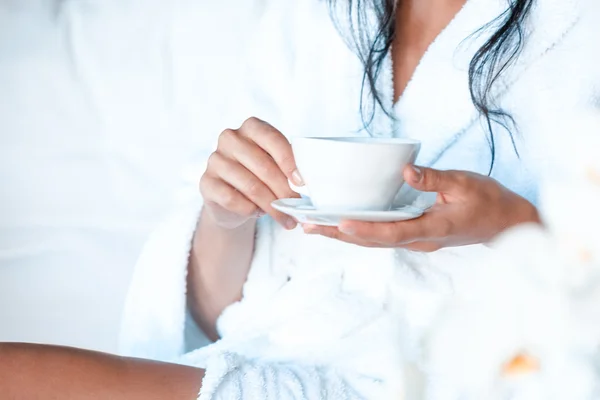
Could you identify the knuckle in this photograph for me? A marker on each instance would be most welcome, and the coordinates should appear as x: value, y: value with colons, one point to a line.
x: 249, y: 210
x: 202, y: 185
x: 213, y: 165
x: 490, y: 192
x: 254, y: 188
x: 432, y: 178
x: 228, y: 200
x: 212, y: 159
x: 251, y: 123
x: 287, y: 161
x: 463, y: 179
x: 494, y: 186
x: 267, y: 169
x: 429, y: 177
x: 225, y: 137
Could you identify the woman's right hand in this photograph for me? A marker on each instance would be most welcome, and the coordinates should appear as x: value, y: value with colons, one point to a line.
x: 249, y: 170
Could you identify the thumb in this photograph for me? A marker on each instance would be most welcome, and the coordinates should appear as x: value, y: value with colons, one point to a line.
x: 430, y: 180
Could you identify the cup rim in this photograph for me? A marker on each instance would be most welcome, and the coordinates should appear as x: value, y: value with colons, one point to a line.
x: 377, y: 141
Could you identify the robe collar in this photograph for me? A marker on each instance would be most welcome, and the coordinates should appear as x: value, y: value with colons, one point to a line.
x: 436, y: 105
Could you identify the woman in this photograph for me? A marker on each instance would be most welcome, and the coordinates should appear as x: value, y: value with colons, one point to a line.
x: 299, y: 315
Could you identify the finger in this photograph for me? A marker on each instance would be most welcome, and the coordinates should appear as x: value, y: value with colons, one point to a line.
x: 249, y: 185
x: 422, y: 247
x: 334, y: 233
x: 222, y: 194
x: 257, y: 161
x: 433, y: 180
x: 275, y: 144
x: 427, y: 228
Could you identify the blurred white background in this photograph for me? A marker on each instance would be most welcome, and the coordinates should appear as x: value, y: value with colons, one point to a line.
x: 102, y: 103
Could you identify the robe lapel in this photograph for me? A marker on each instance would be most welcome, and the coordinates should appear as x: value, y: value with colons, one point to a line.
x: 436, y: 106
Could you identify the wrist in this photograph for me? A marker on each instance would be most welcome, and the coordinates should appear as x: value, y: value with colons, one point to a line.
x: 219, y: 263
x: 208, y: 222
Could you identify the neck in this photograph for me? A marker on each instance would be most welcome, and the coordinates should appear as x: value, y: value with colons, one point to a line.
x: 420, y: 21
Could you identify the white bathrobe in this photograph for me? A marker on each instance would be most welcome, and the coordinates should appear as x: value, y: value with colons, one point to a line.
x: 323, y: 319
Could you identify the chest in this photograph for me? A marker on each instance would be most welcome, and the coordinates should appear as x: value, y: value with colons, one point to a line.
x: 415, y: 29
x: 315, y: 84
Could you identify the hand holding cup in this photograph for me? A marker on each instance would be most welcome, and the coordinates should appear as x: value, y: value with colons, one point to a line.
x: 248, y: 171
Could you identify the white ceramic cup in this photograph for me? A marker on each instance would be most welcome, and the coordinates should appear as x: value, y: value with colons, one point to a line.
x: 350, y: 173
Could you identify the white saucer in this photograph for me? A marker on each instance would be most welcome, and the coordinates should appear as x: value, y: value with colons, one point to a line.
x: 304, y: 212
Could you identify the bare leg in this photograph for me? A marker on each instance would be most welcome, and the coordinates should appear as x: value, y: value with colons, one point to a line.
x: 35, y: 372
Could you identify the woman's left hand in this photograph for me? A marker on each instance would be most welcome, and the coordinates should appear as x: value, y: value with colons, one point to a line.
x: 470, y: 209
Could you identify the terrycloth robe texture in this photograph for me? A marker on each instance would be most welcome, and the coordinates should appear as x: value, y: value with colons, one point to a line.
x: 323, y: 319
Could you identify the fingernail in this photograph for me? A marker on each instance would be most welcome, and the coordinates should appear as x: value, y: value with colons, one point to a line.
x: 297, y: 178
x: 290, y: 223
x: 418, y: 173
x: 347, y: 229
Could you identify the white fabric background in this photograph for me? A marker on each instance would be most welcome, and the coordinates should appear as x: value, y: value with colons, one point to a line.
x: 102, y: 102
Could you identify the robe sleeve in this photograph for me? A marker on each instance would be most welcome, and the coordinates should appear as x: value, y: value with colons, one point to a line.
x: 233, y: 377
x: 155, y: 315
